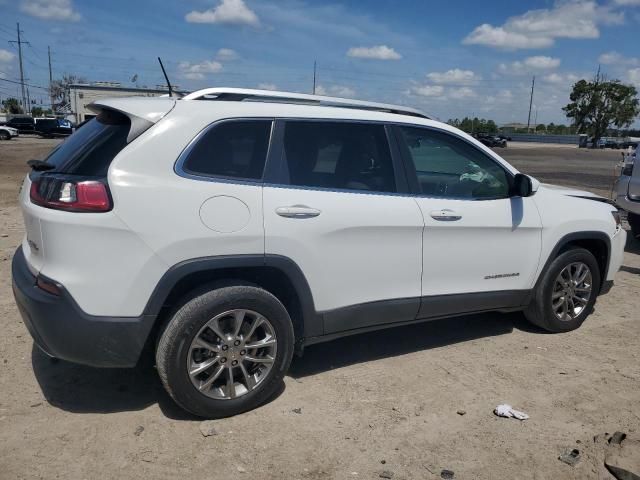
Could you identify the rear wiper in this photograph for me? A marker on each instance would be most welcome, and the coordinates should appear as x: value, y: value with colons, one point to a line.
x: 40, y: 165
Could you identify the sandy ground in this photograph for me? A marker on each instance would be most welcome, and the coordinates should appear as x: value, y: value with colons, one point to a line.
x: 383, y: 401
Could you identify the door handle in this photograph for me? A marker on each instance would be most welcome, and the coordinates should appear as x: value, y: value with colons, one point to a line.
x: 297, y: 211
x: 445, y: 215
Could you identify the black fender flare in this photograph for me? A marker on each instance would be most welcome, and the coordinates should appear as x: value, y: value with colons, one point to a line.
x: 572, y: 237
x: 312, y: 321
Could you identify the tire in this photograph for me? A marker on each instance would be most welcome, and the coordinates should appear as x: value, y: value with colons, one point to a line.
x: 176, y: 348
x: 541, y: 311
x: 634, y: 222
x: 5, y: 136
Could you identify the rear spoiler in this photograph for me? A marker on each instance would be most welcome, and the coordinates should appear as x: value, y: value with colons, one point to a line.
x: 143, y: 112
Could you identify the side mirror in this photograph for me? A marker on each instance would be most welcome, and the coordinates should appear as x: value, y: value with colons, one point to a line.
x: 522, y: 186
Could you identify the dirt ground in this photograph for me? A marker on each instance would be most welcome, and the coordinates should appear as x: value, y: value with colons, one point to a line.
x: 383, y: 401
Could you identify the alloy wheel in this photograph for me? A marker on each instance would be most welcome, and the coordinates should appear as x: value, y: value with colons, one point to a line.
x: 572, y: 291
x: 232, y: 354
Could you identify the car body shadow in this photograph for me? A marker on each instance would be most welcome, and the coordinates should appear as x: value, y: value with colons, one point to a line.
x: 81, y: 389
x: 396, y: 341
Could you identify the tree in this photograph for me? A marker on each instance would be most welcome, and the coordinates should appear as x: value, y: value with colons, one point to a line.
x: 12, y: 105
x: 596, y: 106
x: 37, y: 111
x: 541, y: 127
x: 60, y: 91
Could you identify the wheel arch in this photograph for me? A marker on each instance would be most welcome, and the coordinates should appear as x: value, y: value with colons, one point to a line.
x: 596, y: 242
x: 277, y: 274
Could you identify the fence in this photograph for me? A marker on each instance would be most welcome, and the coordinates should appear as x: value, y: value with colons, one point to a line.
x: 526, y: 137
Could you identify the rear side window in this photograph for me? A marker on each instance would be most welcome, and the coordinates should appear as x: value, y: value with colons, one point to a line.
x: 338, y: 155
x: 90, y: 150
x: 234, y: 149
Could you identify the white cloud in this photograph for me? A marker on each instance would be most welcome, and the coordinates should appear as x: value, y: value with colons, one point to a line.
x: 540, y: 28
x: 336, y: 91
x: 379, y: 52
x: 50, y: 9
x: 614, y: 58
x: 566, y: 79
x: 197, y: 71
x: 226, y: 54
x: 232, y: 12
x: 529, y: 65
x: 267, y: 86
x: 455, y: 76
x: 6, y: 55
x: 428, y: 90
x: 461, y: 93
x: 633, y: 76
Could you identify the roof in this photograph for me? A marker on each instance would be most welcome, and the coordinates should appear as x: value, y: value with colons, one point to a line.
x: 243, y: 94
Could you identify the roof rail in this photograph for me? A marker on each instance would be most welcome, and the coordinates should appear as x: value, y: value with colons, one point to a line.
x: 243, y: 94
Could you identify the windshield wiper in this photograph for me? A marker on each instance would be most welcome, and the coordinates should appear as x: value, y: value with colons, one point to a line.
x: 40, y: 165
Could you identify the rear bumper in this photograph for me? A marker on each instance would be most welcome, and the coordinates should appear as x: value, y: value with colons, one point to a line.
x: 62, y: 330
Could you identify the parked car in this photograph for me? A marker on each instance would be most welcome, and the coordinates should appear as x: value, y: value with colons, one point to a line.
x: 22, y: 124
x: 491, y: 140
x: 7, y: 133
x: 627, y: 191
x: 53, y: 127
x: 225, y: 234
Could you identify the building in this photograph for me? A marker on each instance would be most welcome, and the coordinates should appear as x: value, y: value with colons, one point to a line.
x: 81, y: 95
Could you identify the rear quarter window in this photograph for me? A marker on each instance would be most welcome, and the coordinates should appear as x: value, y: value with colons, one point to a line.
x: 234, y: 149
x: 90, y: 150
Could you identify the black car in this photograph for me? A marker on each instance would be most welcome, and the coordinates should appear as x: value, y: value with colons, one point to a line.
x: 53, y: 127
x: 491, y: 140
x: 22, y: 124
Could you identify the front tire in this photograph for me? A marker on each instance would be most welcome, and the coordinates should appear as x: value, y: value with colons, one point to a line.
x: 634, y: 222
x: 565, y: 295
x: 225, y: 351
x: 5, y: 136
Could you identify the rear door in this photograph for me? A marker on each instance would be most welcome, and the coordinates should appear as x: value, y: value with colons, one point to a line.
x: 480, y: 242
x: 338, y: 207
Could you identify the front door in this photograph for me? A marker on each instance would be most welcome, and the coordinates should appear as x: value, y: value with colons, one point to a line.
x: 481, y: 244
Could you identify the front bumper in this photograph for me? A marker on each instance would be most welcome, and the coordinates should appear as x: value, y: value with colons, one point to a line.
x: 62, y: 330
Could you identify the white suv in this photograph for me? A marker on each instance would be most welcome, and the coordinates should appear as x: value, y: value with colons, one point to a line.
x: 230, y: 228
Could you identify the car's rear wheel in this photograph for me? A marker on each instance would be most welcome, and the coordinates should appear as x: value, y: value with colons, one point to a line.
x: 634, y: 222
x: 225, y: 351
x: 566, y: 293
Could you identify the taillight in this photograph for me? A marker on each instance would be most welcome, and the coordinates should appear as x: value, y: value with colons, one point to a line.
x: 67, y: 193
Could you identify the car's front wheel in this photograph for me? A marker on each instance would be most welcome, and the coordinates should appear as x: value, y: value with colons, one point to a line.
x: 225, y: 351
x: 566, y: 293
x: 634, y: 223
x: 5, y: 135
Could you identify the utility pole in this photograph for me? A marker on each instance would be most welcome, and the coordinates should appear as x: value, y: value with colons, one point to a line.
x: 24, y: 96
x: 533, y: 84
x: 314, y: 77
x: 50, y: 78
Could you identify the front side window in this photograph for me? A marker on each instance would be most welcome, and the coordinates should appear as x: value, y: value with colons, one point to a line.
x: 234, y: 149
x: 338, y: 155
x: 447, y: 166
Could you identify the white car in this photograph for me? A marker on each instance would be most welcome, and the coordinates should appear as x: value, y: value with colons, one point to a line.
x: 230, y: 228
x: 627, y: 191
x: 7, y: 133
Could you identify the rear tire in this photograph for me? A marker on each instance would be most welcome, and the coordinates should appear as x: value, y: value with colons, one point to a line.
x: 634, y: 222
x: 561, y: 302
x: 204, y: 330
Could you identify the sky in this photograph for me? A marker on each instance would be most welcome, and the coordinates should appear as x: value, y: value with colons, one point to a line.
x: 450, y: 59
